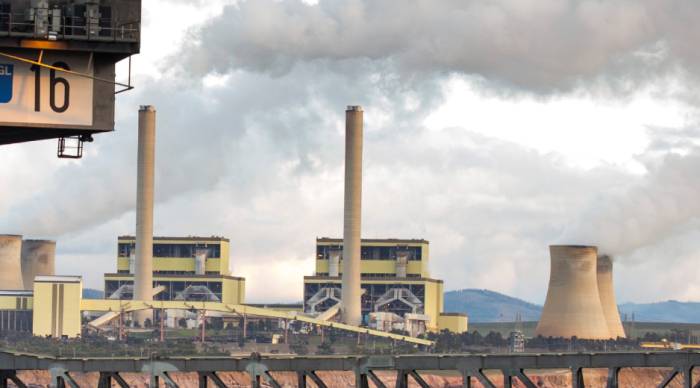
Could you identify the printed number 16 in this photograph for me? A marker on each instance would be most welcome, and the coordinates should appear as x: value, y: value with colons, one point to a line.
x: 53, y: 81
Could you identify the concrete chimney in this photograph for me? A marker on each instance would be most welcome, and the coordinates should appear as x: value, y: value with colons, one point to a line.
x: 143, y: 274
x: 607, y: 297
x: 38, y: 259
x: 10, y: 262
x: 572, y: 307
x: 351, y: 290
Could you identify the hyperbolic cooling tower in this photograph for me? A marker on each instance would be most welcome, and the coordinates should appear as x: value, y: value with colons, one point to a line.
x: 143, y: 274
x: 572, y: 307
x: 10, y: 262
x: 607, y: 297
x: 350, y: 290
x: 38, y: 259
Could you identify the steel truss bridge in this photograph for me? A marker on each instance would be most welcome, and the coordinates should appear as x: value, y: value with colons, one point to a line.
x: 261, y: 369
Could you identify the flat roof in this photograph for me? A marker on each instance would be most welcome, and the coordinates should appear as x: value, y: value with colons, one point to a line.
x: 375, y: 240
x: 338, y: 279
x: 157, y: 276
x: 16, y: 293
x: 180, y: 238
x: 58, y: 279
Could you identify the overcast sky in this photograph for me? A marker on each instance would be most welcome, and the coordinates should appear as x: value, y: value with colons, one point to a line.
x: 492, y: 129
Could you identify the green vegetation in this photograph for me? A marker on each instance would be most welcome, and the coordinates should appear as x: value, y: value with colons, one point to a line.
x: 98, y: 346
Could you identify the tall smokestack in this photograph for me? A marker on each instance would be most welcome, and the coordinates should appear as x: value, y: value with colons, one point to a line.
x: 572, y: 307
x: 607, y: 297
x: 351, y: 290
x: 38, y: 259
x: 143, y: 274
x: 10, y: 262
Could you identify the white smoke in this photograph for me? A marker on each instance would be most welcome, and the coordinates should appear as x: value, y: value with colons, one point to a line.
x: 621, y: 221
x: 534, y: 45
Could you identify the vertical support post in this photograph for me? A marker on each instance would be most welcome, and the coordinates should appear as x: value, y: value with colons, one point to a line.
x: 162, y: 325
x: 577, y: 378
x: 105, y: 380
x: 301, y: 379
x: 466, y: 379
x: 245, y: 327
x: 202, y: 380
x: 401, y: 379
x: 507, y: 379
x: 613, y: 377
x: 688, y: 377
x: 203, y: 323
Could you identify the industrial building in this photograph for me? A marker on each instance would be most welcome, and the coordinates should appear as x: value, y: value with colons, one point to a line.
x: 187, y: 268
x: 580, y: 299
x: 394, y: 279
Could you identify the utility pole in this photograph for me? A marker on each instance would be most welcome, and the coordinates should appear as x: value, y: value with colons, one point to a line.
x: 162, y: 325
x: 203, y: 323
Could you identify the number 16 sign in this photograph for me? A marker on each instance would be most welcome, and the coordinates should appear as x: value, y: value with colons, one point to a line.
x: 32, y: 94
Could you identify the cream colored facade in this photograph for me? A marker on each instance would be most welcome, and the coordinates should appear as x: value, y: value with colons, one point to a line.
x: 218, y: 264
x: 381, y: 274
x: 175, y: 268
x: 56, y: 306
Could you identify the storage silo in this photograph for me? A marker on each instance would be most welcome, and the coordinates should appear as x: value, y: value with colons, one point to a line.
x: 572, y: 307
x: 38, y: 259
x: 10, y: 262
x: 607, y: 297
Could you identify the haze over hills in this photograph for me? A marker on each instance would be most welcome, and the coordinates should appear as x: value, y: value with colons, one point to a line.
x: 490, y: 306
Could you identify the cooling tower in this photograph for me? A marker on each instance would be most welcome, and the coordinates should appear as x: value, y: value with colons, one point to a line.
x: 143, y: 274
x: 10, y: 262
x: 38, y: 259
x: 607, y: 297
x: 572, y: 307
x: 350, y: 290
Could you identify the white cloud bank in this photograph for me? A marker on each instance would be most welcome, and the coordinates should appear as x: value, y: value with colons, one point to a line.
x: 250, y: 141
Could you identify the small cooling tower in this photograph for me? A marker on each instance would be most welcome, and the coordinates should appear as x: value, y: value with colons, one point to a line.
x: 38, y: 259
x: 607, y: 297
x: 10, y: 262
x: 573, y: 308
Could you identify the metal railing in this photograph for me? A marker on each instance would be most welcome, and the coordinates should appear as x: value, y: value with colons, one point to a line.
x: 104, y: 30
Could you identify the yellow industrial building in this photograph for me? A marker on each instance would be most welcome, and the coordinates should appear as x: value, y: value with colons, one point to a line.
x: 395, y: 278
x: 193, y: 273
x: 187, y: 268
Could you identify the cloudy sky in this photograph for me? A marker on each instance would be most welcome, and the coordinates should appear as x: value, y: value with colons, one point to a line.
x: 493, y: 129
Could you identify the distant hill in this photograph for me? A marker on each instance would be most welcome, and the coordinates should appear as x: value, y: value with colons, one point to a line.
x: 490, y: 306
x: 89, y: 293
x: 669, y: 311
